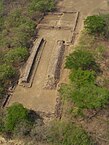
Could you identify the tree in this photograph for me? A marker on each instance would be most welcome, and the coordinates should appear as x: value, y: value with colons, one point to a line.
x: 81, y: 59
x: 14, y: 115
x: 95, y: 24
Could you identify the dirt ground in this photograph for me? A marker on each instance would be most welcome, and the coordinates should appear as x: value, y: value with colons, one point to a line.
x: 36, y: 97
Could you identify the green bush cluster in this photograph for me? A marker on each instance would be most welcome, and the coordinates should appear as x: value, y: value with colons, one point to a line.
x: 12, y: 116
x: 95, y: 24
x: 81, y: 59
x: 17, y: 121
x: 90, y: 97
x: 42, y: 5
x: 82, y: 77
x: 83, y: 90
x: 98, y: 25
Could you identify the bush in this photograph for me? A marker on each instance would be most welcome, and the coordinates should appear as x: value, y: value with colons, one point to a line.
x: 95, y: 24
x: 81, y: 77
x: 16, y: 55
x: 42, y: 5
x: 61, y: 133
x: 15, y: 114
x: 88, y: 96
x: 81, y: 59
x: 6, y: 72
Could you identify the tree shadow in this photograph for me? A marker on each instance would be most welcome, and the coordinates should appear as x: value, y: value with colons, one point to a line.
x: 34, y: 117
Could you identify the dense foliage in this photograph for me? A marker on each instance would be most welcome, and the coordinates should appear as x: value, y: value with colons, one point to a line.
x: 42, y: 5
x: 95, y: 24
x: 84, y: 90
x: 81, y: 59
x: 81, y: 77
x: 14, y: 115
x: 88, y: 96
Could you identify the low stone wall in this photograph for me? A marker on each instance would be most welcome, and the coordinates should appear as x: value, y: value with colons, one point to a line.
x: 53, y: 73
x: 30, y: 61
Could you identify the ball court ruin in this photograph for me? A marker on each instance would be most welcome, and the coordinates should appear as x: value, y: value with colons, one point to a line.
x: 37, y: 87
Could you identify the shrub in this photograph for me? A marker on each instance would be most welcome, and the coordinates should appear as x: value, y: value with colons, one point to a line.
x: 6, y: 72
x: 16, y: 55
x: 42, y: 5
x: 81, y: 59
x: 14, y: 115
x: 61, y: 133
x: 90, y: 97
x: 81, y: 77
x: 95, y: 24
